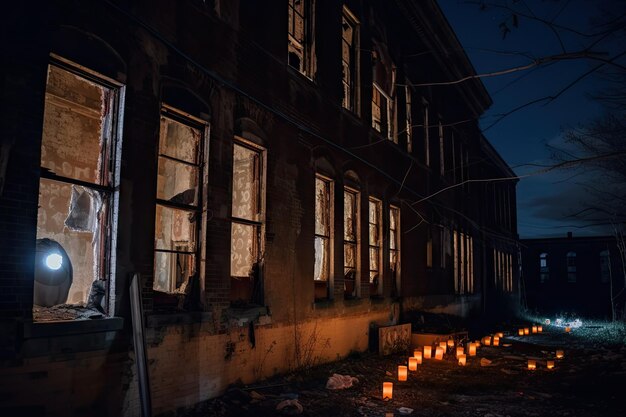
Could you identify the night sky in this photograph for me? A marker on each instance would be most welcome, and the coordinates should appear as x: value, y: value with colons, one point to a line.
x: 544, y: 201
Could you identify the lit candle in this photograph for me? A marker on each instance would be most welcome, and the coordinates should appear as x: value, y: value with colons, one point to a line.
x: 526, y: 331
x: 462, y: 360
x: 418, y: 357
x: 439, y: 353
x: 387, y: 390
x: 428, y: 351
x: 472, y: 349
x: 459, y: 351
x: 402, y: 373
x: 550, y: 364
x: 560, y: 354
x: 534, y: 329
x: 496, y: 340
x: 450, y: 343
x: 443, y: 345
x: 487, y: 340
x: 500, y: 335
x: 540, y: 329
x: 532, y: 365
x: 416, y: 351
x: 520, y: 332
x: 413, y: 364
x: 568, y: 329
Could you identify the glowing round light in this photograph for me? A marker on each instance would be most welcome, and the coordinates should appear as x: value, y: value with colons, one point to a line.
x: 54, y: 261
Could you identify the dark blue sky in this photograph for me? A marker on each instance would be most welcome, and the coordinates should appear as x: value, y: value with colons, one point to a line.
x: 521, y: 138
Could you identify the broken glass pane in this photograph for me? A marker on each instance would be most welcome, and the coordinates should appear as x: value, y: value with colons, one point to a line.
x: 322, y: 203
x: 244, y: 250
x: 177, y: 182
x: 73, y: 126
x: 245, y: 183
x: 179, y: 141
x: 321, y: 259
x: 174, y: 228
x: 349, y: 255
x: 349, y: 216
x: 172, y: 270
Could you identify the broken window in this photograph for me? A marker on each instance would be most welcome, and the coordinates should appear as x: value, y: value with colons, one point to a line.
x: 300, y: 38
x: 383, y: 97
x: 323, y: 219
x: 544, y: 271
x: 178, y: 204
x: 248, y: 221
x: 76, y: 211
x: 375, y: 239
x: 571, y: 267
x: 394, y: 245
x: 409, y: 118
x: 350, y: 241
x: 350, y: 59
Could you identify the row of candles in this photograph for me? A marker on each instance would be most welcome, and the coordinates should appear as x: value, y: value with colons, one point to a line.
x: 461, y: 357
x: 528, y: 330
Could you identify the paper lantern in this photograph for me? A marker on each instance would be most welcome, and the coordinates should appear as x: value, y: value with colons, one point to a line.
x: 387, y: 390
x: 534, y: 329
x: 526, y: 331
x: 439, y: 353
x: 539, y: 329
x: 462, y: 360
x: 459, y: 351
x: 450, y: 343
x: 443, y: 345
x: 472, y: 349
x: 532, y: 365
x: 560, y: 354
x: 486, y: 340
x: 413, y: 364
x: 550, y: 364
x: 416, y: 351
x: 418, y: 357
x: 496, y: 340
x: 428, y: 351
x: 402, y: 373
x: 500, y: 335
x: 568, y: 329
x: 520, y: 332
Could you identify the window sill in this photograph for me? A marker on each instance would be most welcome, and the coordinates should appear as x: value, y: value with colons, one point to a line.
x: 72, y: 327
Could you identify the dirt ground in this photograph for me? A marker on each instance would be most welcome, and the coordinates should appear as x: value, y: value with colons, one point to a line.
x: 589, y: 381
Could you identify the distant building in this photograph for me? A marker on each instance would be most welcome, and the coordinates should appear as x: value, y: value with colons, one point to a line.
x: 573, y: 275
x: 274, y: 173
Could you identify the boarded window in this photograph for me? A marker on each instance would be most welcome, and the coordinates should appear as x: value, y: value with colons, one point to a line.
x: 178, y: 211
x: 75, y: 221
x: 375, y: 239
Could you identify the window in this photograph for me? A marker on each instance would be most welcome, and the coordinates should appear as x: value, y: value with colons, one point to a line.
x: 77, y: 210
x: 179, y: 202
x: 350, y: 59
x: 409, y: 119
x: 544, y: 270
x: 429, y: 251
x: 605, y: 266
x: 383, y: 97
x: 426, y: 133
x: 442, y: 155
x: 301, y: 37
x: 375, y: 237
x: 394, y: 245
x: 323, y: 223
x: 571, y: 267
x: 248, y: 221
x: 381, y: 111
x: 463, y: 247
x: 455, y: 250
x: 350, y: 242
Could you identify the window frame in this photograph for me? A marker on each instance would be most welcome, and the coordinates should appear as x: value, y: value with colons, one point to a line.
x: 304, y: 46
x: 408, y: 98
x: 330, y: 186
x: 112, y: 168
x: 570, y: 260
x: 356, y: 195
x: 376, y: 245
x: 350, y: 101
x: 544, y: 269
x: 397, y: 271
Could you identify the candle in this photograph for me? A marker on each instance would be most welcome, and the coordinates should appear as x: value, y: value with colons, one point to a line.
x: 462, y: 360
x: 500, y: 335
x: 534, y: 329
x: 416, y: 351
x: 560, y: 354
x: 550, y: 364
x: 428, y: 351
x: 387, y: 390
x: 450, y: 343
x: 418, y: 357
x: 439, y: 353
x: 443, y: 345
x: 532, y: 365
x: 459, y: 351
x: 487, y: 340
x: 413, y: 364
x: 540, y: 329
x: 496, y: 340
x: 520, y: 332
x: 472, y: 349
x: 402, y: 373
x: 568, y: 329
x: 526, y: 331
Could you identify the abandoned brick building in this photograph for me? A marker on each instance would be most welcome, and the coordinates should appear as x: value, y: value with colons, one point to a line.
x: 574, y: 276
x: 279, y: 176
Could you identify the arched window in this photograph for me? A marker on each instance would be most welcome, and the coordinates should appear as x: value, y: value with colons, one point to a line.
x: 605, y: 266
x: 544, y: 271
x: 571, y: 266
